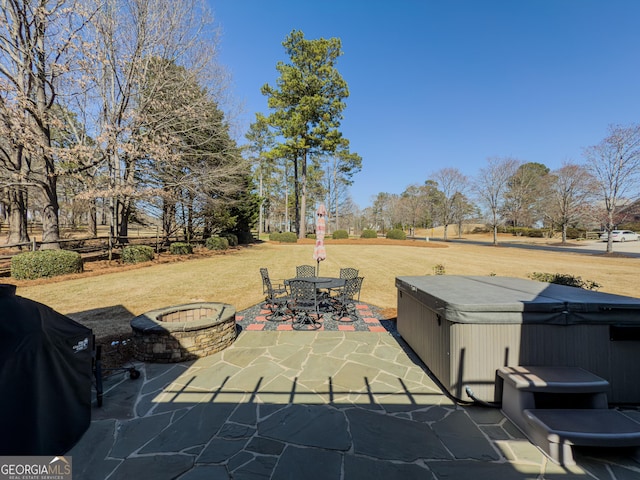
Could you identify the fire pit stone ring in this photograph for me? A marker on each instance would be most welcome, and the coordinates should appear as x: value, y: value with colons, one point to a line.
x: 183, y: 332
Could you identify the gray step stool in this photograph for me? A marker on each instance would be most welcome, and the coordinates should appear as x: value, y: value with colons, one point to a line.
x: 561, y: 407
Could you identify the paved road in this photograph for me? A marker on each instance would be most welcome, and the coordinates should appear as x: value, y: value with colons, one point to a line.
x: 587, y: 247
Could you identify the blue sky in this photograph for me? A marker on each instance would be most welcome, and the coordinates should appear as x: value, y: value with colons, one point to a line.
x: 437, y: 84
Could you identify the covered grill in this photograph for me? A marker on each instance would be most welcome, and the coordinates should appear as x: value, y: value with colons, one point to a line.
x: 45, y: 377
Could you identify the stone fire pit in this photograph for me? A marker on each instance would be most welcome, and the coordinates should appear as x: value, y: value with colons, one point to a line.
x: 183, y: 332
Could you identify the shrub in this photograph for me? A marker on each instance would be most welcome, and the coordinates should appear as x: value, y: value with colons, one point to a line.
x: 311, y: 235
x: 564, y: 279
x: 287, y: 237
x: 217, y: 243
x: 232, y: 238
x: 396, y: 234
x: 180, y: 248
x: 368, y: 233
x: 574, y: 233
x: 45, y: 263
x: 137, y: 254
x: 438, y: 269
x: 340, y: 234
x: 526, y: 232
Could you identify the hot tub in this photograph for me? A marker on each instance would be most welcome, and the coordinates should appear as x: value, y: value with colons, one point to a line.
x: 465, y: 327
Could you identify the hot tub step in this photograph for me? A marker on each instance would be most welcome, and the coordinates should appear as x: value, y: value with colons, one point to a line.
x: 526, y: 388
x: 553, y: 379
x: 557, y: 431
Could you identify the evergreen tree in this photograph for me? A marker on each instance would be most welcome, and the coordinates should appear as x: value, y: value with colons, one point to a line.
x: 307, y: 103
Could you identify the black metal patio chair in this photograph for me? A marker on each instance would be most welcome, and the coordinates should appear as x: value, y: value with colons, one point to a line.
x: 305, y: 271
x: 348, y: 273
x: 276, y: 298
x: 304, y: 305
x: 344, y: 304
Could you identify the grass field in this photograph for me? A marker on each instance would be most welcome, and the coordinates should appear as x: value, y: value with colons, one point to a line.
x: 107, y: 296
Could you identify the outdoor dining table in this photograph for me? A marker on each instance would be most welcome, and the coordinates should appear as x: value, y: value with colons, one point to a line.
x: 321, y: 283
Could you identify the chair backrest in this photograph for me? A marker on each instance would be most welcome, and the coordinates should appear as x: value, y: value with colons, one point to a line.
x: 358, y: 287
x: 305, y: 271
x: 267, y: 287
x: 303, y: 294
x: 348, y: 273
x: 264, y: 273
x: 352, y: 288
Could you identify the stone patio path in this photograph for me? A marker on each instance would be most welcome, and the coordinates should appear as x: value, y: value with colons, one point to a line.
x: 305, y: 406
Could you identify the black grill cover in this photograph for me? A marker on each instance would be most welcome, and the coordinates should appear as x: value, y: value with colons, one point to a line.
x: 45, y: 377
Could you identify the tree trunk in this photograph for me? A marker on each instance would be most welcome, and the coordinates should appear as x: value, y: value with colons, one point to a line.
x: 610, y: 226
x: 286, y: 202
x: 122, y: 211
x: 93, y: 218
x: 189, y: 230
x: 17, y: 214
x: 261, y: 212
x: 335, y: 203
x: 302, y: 228
x: 296, y: 193
x: 50, y: 211
x: 168, y: 218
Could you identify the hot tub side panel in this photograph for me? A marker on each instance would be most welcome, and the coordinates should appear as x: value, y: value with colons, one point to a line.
x: 478, y: 350
x: 427, y: 335
x: 624, y: 371
x: 461, y: 355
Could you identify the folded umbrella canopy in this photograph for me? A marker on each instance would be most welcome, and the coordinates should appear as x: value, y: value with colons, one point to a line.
x: 319, y: 252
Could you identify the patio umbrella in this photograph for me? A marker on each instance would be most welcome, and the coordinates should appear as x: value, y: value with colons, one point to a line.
x: 319, y: 253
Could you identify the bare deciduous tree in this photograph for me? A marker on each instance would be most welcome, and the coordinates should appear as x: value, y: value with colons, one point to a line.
x: 35, y: 38
x: 491, y: 185
x: 615, y: 165
x: 452, y: 183
x: 571, y: 187
x: 414, y: 206
x: 129, y: 37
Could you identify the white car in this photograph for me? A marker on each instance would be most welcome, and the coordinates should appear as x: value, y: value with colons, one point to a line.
x: 620, y: 236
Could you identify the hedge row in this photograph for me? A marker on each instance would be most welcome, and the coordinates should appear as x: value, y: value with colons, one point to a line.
x: 217, y: 243
x: 396, y: 234
x: 564, y: 279
x: 45, y: 263
x: 288, y: 237
x: 137, y: 254
x: 180, y: 248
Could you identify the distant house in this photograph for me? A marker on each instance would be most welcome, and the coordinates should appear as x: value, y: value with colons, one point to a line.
x: 630, y: 212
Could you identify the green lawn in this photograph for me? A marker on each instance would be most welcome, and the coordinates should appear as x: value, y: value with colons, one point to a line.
x: 106, y: 303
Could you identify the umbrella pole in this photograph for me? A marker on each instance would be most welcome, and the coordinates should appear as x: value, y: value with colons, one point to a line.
x: 318, y: 268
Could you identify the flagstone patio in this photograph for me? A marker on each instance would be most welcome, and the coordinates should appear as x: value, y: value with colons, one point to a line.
x: 309, y: 405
